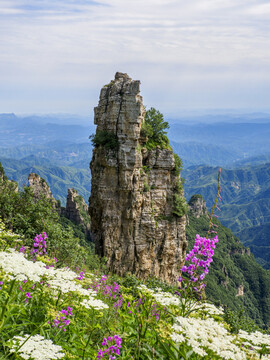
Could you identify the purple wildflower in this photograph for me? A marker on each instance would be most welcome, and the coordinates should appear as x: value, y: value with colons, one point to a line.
x: 40, y: 245
x: 27, y: 296
x: 199, y: 260
x: 22, y: 250
x: 63, y: 319
x: 110, y: 349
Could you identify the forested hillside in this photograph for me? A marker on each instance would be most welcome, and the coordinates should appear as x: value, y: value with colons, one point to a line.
x: 245, y: 207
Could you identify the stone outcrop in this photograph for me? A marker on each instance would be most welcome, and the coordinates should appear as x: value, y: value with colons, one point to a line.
x: 41, y: 188
x: 77, y: 211
x: 133, y: 190
x: 240, y: 290
x: 197, y: 206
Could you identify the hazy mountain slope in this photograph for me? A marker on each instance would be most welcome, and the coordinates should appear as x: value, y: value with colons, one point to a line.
x: 239, y: 186
x: 258, y: 240
x: 16, y: 131
x: 59, y: 153
x: 252, y: 161
x: 248, y: 139
x: 195, y: 153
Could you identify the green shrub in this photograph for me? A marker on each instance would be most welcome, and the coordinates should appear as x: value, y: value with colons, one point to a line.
x: 146, y: 187
x: 180, y: 207
x: 146, y: 169
x: 178, y: 165
x: 238, y: 320
x: 106, y: 139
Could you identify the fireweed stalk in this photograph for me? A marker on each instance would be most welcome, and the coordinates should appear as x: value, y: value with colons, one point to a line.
x: 198, y: 260
x: 39, y: 246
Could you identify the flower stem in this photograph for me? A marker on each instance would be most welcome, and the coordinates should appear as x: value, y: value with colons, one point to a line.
x: 215, y: 204
x: 6, y: 303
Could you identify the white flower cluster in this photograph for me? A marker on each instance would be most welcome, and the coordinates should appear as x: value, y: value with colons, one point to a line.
x: 16, y: 266
x: 212, y: 309
x: 95, y: 303
x: 162, y: 297
x: 202, y: 334
x: 63, y: 280
x: 255, y: 340
x: 37, y: 348
x: 166, y: 299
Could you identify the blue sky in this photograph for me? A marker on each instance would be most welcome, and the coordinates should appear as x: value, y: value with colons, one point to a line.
x: 189, y: 55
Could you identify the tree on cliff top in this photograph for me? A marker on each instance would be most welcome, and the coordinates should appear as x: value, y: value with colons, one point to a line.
x: 154, y: 129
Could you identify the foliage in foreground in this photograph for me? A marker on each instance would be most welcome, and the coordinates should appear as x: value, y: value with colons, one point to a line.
x: 59, y: 313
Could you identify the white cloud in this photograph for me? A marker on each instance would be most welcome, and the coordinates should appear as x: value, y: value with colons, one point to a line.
x: 260, y: 9
x: 80, y: 44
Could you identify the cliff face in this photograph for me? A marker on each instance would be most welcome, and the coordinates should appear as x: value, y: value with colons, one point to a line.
x: 77, y: 211
x: 132, y: 193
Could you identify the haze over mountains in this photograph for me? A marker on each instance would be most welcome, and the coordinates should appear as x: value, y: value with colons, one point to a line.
x: 58, y: 149
x: 220, y: 143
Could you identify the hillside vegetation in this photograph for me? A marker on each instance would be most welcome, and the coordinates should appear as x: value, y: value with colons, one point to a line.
x: 245, y: 204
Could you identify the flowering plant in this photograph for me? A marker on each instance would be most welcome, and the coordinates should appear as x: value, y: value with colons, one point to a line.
x: 198, y: 260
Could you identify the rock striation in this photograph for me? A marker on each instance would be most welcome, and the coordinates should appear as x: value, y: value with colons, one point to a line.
x: 132, y: 193
x: 77, y: 211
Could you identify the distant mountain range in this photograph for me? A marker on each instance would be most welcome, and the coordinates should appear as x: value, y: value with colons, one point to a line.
x: 15, y: 131
x: 221, y: 143
x: 60, y: 153
x: 245, y: 139
x: 245, y: 207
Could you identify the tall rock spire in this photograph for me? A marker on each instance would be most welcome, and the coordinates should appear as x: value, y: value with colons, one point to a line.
x: 133, y: 222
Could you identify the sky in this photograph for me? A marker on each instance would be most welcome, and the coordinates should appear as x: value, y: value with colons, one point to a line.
x: 190, y: 55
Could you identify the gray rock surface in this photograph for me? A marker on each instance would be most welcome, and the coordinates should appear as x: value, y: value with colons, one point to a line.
x: 41, y: 188
x: 197, y: 206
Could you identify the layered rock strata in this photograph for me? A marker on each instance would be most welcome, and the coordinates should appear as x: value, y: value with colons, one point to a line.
x: 132, y: 193
x: 77, y: 211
